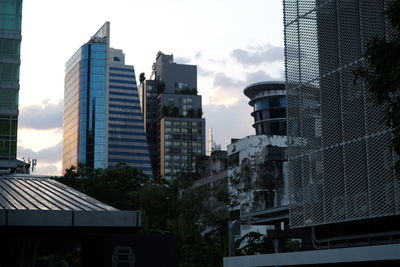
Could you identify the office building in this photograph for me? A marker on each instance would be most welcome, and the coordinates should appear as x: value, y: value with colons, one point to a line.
x: 173, y: 116
x: 268, y: 100
x: 10, y: 42
x: 340, y: 158
x: 343, y: 188
x: 103, y: 124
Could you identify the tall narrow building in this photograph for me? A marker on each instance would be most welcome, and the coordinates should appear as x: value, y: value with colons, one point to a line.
x: 103, y: 124
x: 10, y: 40
x: 175, y: 126
x: 340, y: 157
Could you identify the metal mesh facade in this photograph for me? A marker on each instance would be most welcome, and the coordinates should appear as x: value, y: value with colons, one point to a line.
x: 340, y: 161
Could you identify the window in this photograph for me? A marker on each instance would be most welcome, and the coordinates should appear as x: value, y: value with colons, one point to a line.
x: 8, y: 99
x: 167, y: 123
x: 277, y: 102
x: 278, y: 113
x: 176, y: 144
x: 9, y: 48
x: 181, y: 85
x: 9, y: 72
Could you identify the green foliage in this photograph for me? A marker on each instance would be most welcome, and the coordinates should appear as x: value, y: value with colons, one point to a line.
x: 165, y: 111
x: 167, y: 208
x: 160, y: 87
x: 186, y: 91
x: 174, y: 112
x: 199, y: 113
x: 291, y: 246
x: 190, y: 113
x: 251, y: 244
x: 142, y: 78
x: 381, y: 74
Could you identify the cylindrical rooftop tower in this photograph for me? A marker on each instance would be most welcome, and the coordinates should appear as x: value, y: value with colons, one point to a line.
x: 269, y: 102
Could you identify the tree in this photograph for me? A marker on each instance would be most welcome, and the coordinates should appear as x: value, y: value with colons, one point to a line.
x: 381, y: 74
x: 174, y: 112
x: 190, y: 113
x: 167, y: 208
x: 160, y: 87
x: 142, y: 78
x: 199, y: 113
x: 165, y: 110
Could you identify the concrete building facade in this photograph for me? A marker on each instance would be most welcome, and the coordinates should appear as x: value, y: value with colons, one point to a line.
x: 103, y: 123
x: 175, y: 126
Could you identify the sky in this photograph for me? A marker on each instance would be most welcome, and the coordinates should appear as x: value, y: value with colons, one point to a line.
x: 233, y: 43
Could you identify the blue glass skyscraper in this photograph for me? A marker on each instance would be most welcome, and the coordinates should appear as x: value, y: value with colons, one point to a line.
x: 103, y: 124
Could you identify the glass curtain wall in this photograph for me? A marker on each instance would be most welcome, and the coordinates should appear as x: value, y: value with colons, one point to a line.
x: 10, y: 39
x: 92, y: 139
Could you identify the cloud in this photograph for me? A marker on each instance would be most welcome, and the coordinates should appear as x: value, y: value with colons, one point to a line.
x: 258, y: 76
x: 203, y: 72
x: 47, y: 155
x: 182, y: 60
x: 46, y: 169
x: 41, y: 117
x: 198, y: 55
x: 226, y: 120
x: 258, y: 55
x: 221, y: 80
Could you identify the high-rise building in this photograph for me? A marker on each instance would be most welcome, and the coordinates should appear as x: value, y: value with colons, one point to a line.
x: 103, y: 124
x: 268, y: 100
x: 340, y: 159
x: 343, y: 191
x: 10, y: 41
x: 258, y: 162
x: 173, y: 116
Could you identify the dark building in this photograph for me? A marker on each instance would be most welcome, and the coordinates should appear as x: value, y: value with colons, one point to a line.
x: 10, y: 42
x: 175, y: 127
x: 46, y: 223
x: 269, y: 102
x: 343, y: 192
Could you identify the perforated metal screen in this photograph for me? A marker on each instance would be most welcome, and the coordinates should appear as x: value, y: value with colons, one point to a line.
x: 340, y: 161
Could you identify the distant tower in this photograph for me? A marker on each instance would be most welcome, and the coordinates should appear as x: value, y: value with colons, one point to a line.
x: 174, y: 122
x: 103, y: 123
x: 210, y: 142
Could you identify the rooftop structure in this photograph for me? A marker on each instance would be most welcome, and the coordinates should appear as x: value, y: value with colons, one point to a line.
x: 41, y: 201
x: 269, y: 102
x: 175, y: 127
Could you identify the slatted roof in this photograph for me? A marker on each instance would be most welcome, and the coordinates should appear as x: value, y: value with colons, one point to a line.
x: 41, y: 201
x: 19, y: 192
